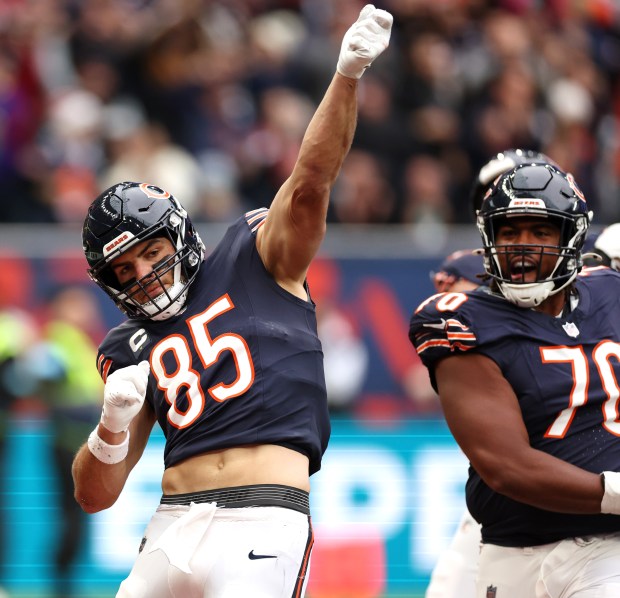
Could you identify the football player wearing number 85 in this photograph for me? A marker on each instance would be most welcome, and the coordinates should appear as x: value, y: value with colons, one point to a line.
x: 527, y: 372
x: 222, y: 351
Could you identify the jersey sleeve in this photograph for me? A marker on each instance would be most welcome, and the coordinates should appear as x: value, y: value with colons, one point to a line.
x: 113, y: 353
x: 104, y: 364
x: 439, y: 327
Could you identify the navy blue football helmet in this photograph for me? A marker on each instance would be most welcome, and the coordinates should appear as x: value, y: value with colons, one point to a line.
x: 126, y: 214
x: 499, y: 164
x: 535, y: 191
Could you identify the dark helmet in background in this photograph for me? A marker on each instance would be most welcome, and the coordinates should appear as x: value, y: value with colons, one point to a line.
x: 126, y: 214
x: 499, y: 164
x: 462, y: 265
x: 535, y: 191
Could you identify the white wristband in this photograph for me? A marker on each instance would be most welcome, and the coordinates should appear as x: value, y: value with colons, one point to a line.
x: 611, y: 499
x: 107, y: 453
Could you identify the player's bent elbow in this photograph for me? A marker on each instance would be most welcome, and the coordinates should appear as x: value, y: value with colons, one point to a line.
x: 502, y: 480
x: 311, y: 183
x: 90, y: 503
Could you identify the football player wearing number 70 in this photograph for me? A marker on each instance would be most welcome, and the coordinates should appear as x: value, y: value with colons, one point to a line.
x: 528, y: 372
x: 223, y: 353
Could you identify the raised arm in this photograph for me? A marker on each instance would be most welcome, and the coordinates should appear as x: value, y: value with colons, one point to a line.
x: 296, y: 222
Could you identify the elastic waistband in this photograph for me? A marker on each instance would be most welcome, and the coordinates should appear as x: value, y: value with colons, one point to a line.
x: 259, y: 495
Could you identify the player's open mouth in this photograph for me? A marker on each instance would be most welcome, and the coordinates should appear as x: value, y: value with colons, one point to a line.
x: 147, y: 292
x: 523, y: 270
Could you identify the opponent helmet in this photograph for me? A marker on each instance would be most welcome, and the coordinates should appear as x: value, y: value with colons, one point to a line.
x: 535, y: 191
x: 499, y: 164
x: 126, y: 214
x: 607, y: 246
x: 463, y: 265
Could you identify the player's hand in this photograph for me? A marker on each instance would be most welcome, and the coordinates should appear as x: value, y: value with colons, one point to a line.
x: 123, y: 396
x: 611, y: 497
x: 364, y: 41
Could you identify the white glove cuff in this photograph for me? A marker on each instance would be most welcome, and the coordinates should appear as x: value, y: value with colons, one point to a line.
x: 341, y: 68
x: 107, y: 453
x: 611, y: 499
x: 112, y: 423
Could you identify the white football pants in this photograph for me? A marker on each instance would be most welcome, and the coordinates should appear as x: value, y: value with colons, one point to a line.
x: 572, y: 568
x: 201, y: 551
x: 454, y: 574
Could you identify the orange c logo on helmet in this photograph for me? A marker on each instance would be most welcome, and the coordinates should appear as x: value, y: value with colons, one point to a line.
x: 153, y: 191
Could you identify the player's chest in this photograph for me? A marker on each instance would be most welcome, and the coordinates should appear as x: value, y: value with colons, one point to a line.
x: 558, y: 384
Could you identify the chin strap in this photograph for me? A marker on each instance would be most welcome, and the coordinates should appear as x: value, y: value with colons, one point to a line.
x: 527, y: 295
x: 173, y: 309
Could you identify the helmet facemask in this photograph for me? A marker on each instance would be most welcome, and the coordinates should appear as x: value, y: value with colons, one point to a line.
x: 505, y: 263
x: 134, y: 297
x: 536, y: 192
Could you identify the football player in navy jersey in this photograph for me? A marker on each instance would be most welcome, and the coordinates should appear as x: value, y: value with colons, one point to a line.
x: 462, y: 270
x: 454, y: 573
x: 222, y: 351
x: 527, y: 371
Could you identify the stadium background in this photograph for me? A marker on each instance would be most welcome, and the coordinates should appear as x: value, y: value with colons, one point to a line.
x: 209, y: 99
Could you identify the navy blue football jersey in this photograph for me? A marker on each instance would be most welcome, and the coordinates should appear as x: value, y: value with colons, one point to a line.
x: 565, y: 373
x: 241, y: 365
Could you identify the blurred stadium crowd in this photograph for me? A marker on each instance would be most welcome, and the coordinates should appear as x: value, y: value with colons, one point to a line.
x: 209, y: 99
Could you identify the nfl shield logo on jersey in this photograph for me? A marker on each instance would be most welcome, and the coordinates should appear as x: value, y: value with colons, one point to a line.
x: 571, y: 329
x: 491, y: 592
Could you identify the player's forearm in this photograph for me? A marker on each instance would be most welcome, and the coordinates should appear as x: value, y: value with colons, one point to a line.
x: 329, y: 136
x: 541, y: 480
x: 97, y: 485
x: 101, y: 467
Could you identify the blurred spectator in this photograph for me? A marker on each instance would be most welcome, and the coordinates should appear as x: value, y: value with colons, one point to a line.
x: 142, y: 151
x: 343, y: 347
x: 230, y: 82
x: 60, y: 369
x: 426, y: 192
x: 363, y: 194
x: 18, y: 332
x: 426, y: 200
x: 268, y: 152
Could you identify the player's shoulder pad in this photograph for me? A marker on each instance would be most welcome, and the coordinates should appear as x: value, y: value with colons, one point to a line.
x: 121, y: 347
x: 441, y: 325
x: 600, y: 281
x: 256, y: 218
x: 598, y: 272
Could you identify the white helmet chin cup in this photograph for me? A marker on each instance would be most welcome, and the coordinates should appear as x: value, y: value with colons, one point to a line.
x: 526, y: 295
x: 532, y: 294
x: 159, y: 303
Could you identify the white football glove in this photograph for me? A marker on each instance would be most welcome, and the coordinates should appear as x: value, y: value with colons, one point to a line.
x: 123, y: 396
x: 364, y: 41
x: 611, y: 499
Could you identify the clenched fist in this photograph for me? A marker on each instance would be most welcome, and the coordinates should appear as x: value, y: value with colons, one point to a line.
x: 123, y: 396
x: 364, y: 41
